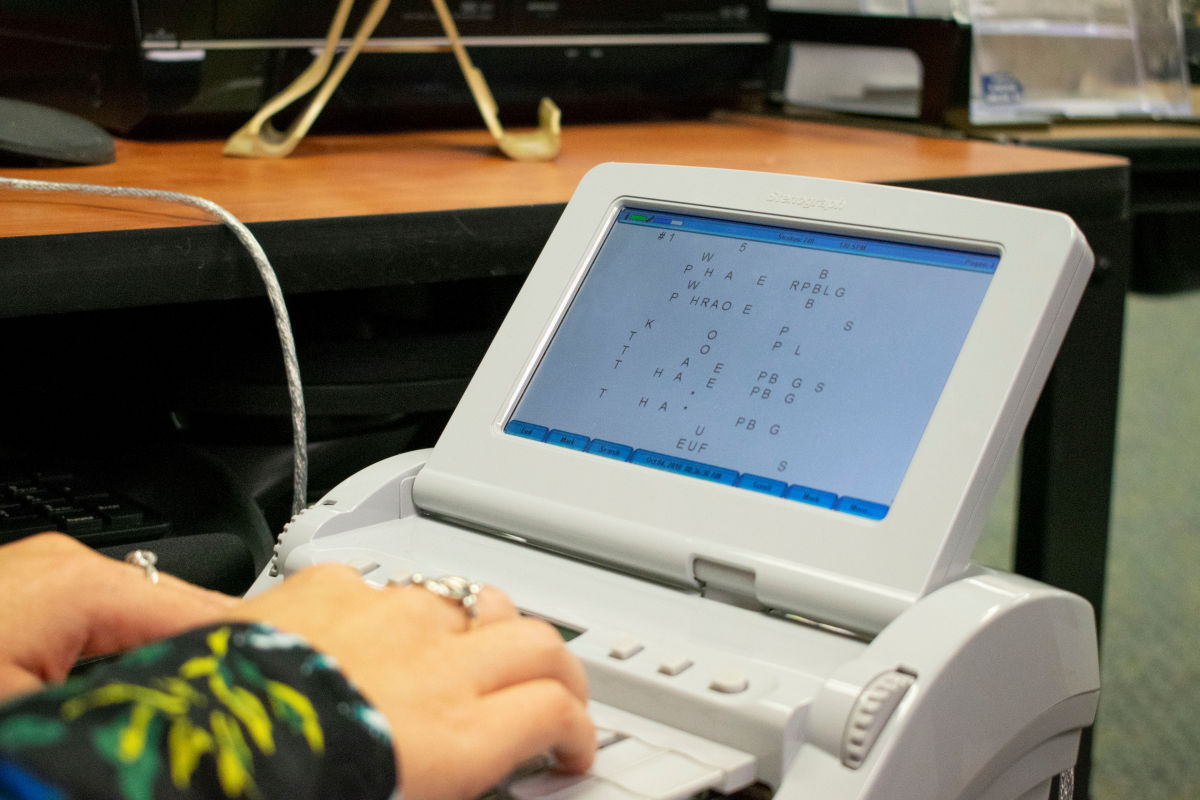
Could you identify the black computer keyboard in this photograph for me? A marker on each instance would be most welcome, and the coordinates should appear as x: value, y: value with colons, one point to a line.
x: 32, y: 502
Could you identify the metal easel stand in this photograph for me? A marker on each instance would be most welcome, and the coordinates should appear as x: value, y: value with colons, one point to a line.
x: 258, y: 138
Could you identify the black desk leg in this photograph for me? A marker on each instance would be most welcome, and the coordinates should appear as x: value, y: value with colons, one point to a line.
x: 1067, y: 460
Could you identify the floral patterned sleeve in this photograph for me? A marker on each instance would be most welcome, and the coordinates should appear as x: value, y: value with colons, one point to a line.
x: 230, y: 711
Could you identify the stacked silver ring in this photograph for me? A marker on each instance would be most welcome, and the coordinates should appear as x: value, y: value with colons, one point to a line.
x: 461, y: 590
x: 147, y: 560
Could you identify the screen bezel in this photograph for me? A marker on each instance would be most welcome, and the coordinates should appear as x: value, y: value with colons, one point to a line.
x: 818, y: 563
x: 612, y: 219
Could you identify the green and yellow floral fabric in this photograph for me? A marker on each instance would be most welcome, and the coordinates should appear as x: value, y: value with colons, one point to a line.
x: 230, y: 711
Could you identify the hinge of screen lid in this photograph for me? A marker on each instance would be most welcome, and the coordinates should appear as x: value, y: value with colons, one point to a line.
x: 726, y: 583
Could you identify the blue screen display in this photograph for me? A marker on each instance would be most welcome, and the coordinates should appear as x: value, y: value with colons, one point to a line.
x: 800, y: 364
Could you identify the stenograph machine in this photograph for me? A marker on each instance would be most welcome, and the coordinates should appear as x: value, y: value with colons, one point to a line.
x: 737, y: 438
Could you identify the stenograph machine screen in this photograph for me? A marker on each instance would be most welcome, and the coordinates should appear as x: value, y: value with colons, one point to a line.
x: 799, y: 363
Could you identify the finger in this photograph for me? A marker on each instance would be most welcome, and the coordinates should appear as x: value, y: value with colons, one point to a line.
x: 491, y: 606
x: 519, y: 650
x: 127, y: 610
x: 67, y: 600
x: 15, y: 681
x: 534, y: 718
x: 505, y: 730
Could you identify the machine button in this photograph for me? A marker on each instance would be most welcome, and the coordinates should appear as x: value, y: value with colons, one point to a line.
x: 624, y: 648
x: 606, y: 736
x: 669, y: 775
x: 399, y: 577
x: 364, y: 564
x: 550, y: 785
x: 729, y: 681
x: 615, y: 760
x: 675, y: 666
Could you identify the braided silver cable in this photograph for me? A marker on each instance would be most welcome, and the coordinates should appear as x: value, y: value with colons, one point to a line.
x: 1066, y: 784
x: 274, y: 294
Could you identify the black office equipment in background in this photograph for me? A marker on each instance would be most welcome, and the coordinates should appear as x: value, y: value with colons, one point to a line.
x: 180, y: 67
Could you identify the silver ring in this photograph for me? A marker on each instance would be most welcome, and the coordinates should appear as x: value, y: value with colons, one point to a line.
x: 147, y: 560
x: 461, y: 590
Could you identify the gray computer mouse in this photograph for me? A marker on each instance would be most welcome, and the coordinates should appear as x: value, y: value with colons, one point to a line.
x: 35, y: 135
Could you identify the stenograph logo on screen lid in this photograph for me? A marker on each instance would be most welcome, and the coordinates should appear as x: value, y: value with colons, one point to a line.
x: 807, y: 201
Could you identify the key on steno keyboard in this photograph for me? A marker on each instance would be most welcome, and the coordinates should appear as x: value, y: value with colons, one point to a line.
x: 638, y: 759
x: 33, y: 502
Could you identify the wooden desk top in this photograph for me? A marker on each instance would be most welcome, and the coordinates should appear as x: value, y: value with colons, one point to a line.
x: 336, y: 176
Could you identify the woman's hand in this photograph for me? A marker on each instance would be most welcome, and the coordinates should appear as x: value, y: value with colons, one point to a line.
x: 467, y: 701
x: 61, y: 601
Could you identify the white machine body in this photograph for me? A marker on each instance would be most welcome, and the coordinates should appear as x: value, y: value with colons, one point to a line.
x: 822, y: 640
